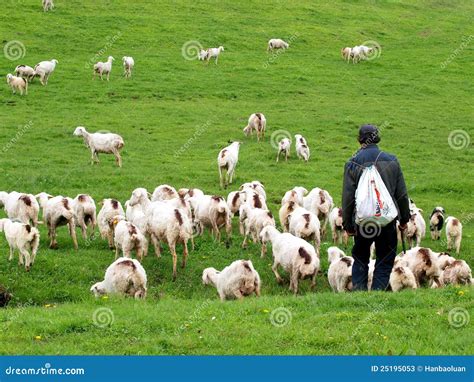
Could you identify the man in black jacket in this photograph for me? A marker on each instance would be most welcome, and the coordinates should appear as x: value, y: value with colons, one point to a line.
x: 385, y: 238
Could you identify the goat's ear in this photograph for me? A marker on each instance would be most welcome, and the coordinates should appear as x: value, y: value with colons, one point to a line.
x: 229, y: 141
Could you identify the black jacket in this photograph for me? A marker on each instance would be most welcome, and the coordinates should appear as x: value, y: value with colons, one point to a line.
x: 391, y: 173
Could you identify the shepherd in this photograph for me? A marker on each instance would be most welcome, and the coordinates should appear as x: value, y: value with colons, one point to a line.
x: 374, y: 196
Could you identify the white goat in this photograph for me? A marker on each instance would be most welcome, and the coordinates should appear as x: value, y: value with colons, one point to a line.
x: 237, y: 280
x: 346, y: 53
x: 124, y: 277
x: 458, y: 273
x: 212, y: 212
x: 340, y: 270
x: 304, y: 224
x: 164, y: 192
x: 227, y: 161
x: 339, y: 235
x: 423, y: 263
x: 85, y: 213
x: 320, y: 203
x: 187, y: 193
x: 253, y: 221
x: 23, y: 237
x: 110, y: 208
x: 293, y: 254
x: 257, y: 122
x: 48, y: 5
x: 294, y: 195
x: 44, y: 70
x: 401, y: 278
x: 58, y: 211
x: 302, y: 148
x: 106, y: 143
x: 284, y: 147
x: 26, y: 72
x: 102, y: 68
x: 170, y: 226
x: 214, y: 52
x: 128, y: 64
x: 453, y: 233
x: 127, y: 237
x: 277, y: 43
x: 17, y: 84
x: 255, y: 185
x: 22, y: 207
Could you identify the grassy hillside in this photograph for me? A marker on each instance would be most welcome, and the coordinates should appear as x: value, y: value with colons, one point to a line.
x: 176, y: 114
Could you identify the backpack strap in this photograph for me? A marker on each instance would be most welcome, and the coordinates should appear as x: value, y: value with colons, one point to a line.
x: 376, y: 159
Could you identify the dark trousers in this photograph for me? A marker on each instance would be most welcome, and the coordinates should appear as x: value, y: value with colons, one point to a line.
x: 385, y: 249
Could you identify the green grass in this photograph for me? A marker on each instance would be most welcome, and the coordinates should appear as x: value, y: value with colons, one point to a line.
x: 307, y: 90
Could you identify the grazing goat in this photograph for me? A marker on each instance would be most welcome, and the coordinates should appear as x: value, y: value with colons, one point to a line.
x: 124, y: 277
x: 423, y: 263
x: 346, y: 53
x: 26, y: 72
x: 293, y: 254
x: 257, y: 122
x: 453, y: 233
x: 212, y: 212
x: 44, y: 70
x: 214, y: 52
x: 255, y: 185
x: 110, y: 208
x: 106, y: 143
x: 164, y: 192
x: 401, y: 278
x: 128, y: 237
x: 294, y: 195
x: 170, y: 226
x: 17, y: 84
x: 284, y: 147
x: 48, y: 5
x: 237, y: 280
x: 85, y: 213
x: 22, y: 207
x: 128, y: 64
x: 102, y: 68
x: 436, y: 222
x: 320, y: 203
x: 339, y: 235
x: 58, y: 211
x: 340, y: 270
x: 304, y: 224
x: 23, y: 237
x: 277, y: 43
x: 253, y: 220
x: 227, y: 161
x: 302, y: 148
x: 458, y: 273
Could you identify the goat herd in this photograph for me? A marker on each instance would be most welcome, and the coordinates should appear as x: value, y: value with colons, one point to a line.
x: 174, y: 217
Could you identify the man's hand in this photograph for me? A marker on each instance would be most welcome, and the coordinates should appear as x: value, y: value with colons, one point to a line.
x: 402, y: 227
x: 350, y: 232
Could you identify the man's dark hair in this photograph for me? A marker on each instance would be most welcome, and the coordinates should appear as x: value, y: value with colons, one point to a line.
x: 368, y: 134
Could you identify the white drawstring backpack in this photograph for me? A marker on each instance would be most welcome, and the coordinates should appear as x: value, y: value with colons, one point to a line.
x: 373, y: 201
